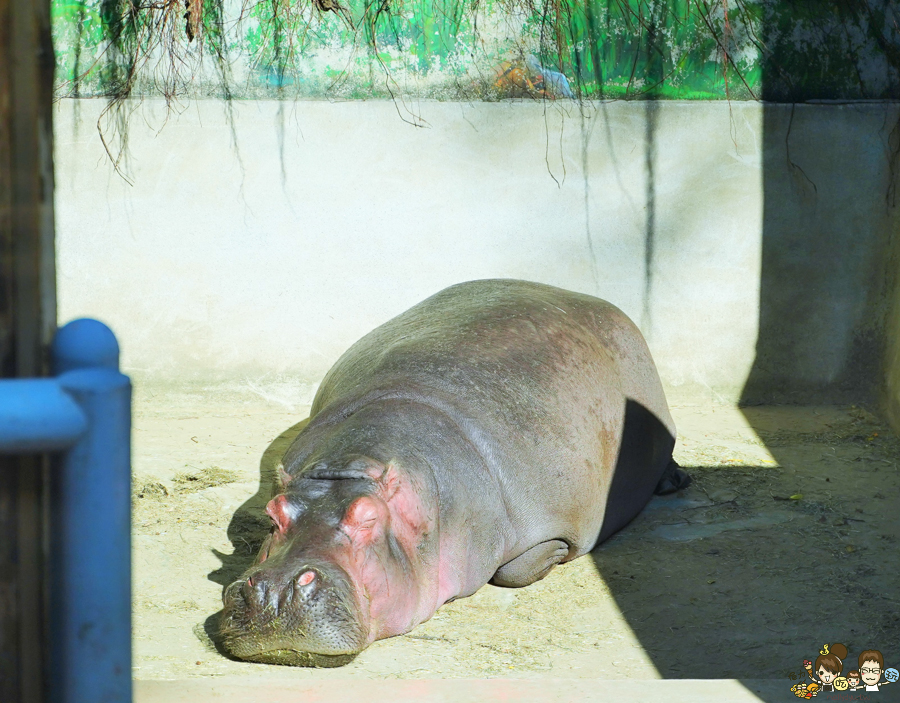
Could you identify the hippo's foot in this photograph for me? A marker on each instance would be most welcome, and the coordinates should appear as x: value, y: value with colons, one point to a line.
x: 532, y: 565
x: 673, y: 479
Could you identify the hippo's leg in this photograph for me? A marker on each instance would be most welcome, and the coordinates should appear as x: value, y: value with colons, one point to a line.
x: 531, y: 566
x: 673, y: 479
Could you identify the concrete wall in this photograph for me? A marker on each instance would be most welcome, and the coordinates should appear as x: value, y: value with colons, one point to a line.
x: 256, y: 245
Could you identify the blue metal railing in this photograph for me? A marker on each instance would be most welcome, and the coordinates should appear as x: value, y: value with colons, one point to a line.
x: 84, y: 413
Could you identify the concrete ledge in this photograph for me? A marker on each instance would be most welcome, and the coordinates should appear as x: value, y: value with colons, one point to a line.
x: 238, y: 690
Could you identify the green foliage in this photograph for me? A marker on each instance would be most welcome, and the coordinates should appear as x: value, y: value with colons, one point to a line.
x: 638, y: 48
x: 451, y: 49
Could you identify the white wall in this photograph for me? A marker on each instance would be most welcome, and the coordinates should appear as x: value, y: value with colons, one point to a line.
x: 256, y: 248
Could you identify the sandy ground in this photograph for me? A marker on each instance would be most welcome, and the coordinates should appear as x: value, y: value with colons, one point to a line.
x: 786, y: 540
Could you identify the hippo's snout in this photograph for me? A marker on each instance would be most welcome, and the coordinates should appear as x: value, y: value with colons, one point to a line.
x: 261, y: 592
x: 308, y: 617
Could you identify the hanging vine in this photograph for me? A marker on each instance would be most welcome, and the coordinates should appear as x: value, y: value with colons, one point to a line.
x: 473, y: 50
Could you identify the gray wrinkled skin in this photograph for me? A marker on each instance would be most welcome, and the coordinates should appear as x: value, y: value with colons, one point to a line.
x: 506, y: 426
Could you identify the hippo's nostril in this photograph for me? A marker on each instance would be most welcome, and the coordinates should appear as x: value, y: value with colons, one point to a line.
x: 306, y: 578
x: 258, y: 591
x: 267, y: 594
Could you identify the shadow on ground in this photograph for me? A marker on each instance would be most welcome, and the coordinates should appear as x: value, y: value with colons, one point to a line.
x: 752, y: 569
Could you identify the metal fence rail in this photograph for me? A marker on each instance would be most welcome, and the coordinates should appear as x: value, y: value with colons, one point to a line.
x: 84, y: 413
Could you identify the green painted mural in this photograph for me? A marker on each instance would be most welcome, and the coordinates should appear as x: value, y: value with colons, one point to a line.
x: 480, y: 49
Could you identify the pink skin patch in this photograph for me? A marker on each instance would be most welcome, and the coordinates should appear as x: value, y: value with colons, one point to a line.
x: 397, y: 601
x: 279, y: 510
x: 450, y: 578
x: 392, y: 600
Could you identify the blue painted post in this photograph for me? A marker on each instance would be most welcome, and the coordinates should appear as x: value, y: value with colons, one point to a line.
x: 90, y: 580
x: 36, y: 415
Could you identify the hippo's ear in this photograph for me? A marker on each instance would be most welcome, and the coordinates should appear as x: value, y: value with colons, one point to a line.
x: 282, y: 477
x: 279, y: 509
x: 364, y: 521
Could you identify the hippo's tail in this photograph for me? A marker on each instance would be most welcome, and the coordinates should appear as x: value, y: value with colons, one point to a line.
x: 673, y: 479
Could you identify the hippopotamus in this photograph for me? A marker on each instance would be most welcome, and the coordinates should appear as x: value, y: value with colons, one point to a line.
x: 487, y: 434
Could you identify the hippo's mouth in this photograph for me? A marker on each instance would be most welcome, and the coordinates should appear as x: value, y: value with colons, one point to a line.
x: 291, y: 657
x: 319, y: 633
x: 267, y: 648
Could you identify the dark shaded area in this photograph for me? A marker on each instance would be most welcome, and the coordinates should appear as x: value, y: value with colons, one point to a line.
x: 825, y: 251
x: 23, y: 648
x: 731, y: 578
x: 826, y: 281
x: 842, y: 49
x: 738, y: 585
x: 27, y: 319
x: 823, y: 281
x: 644, y: 455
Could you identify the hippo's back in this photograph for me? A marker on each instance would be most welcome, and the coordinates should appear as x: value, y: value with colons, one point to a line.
x: 542, y: 381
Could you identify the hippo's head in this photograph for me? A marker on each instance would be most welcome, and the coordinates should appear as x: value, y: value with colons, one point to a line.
x: 347, y: 562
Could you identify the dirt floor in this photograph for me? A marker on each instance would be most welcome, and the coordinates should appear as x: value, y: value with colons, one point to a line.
x: 786, y: 540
